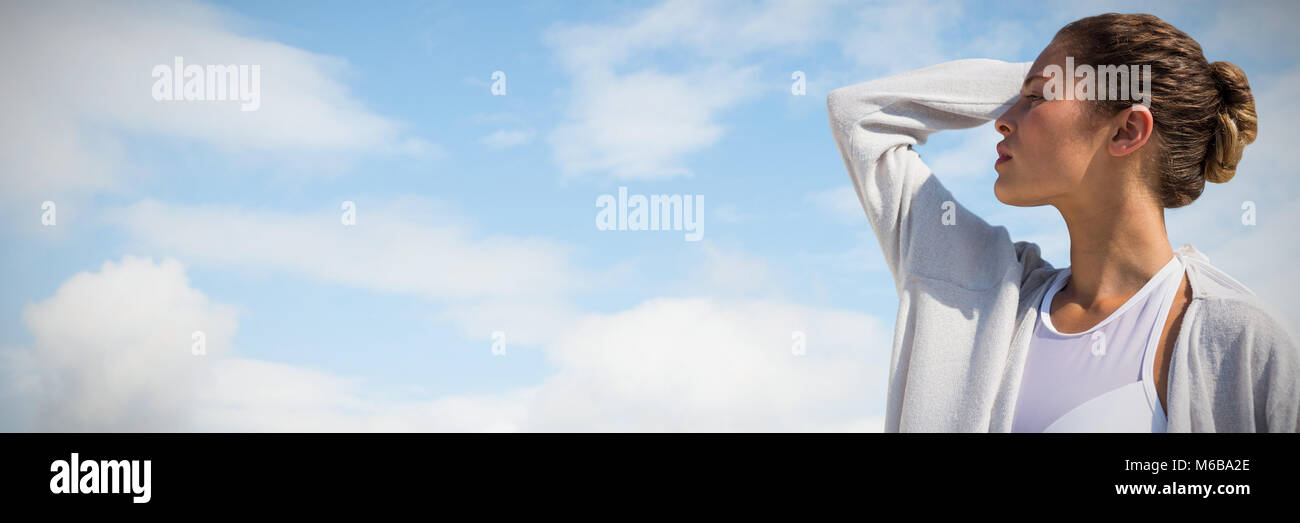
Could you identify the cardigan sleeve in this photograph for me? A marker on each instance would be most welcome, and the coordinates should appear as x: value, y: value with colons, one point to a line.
x: 922, y: 229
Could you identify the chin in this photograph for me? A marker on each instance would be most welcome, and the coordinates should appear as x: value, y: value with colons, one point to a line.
x: 1009, y: 199
x: 999, y: 192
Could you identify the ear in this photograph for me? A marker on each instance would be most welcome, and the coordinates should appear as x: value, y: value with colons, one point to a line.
x: 1135, y: 125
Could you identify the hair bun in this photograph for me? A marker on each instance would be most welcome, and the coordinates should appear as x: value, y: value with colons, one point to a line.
x: 1238, y: 125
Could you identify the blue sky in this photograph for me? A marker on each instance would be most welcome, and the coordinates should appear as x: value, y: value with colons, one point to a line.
x: 476, y: 213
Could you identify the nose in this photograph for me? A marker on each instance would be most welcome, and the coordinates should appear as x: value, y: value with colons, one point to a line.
x: 1004, y: 124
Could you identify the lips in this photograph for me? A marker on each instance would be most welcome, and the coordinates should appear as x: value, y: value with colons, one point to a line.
x: 1003, y: 155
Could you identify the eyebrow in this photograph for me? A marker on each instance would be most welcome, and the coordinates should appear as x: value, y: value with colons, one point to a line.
x: 1032, y: 78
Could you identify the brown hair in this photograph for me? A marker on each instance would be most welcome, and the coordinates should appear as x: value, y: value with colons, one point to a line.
x: 1204, y: 113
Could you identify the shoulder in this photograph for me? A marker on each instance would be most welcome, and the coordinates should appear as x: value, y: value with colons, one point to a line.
x: 1248, y: 349
x: 1244, y: 346
x: 1230, y: 316
x: 1034, y: 270
x: 1243, y: 319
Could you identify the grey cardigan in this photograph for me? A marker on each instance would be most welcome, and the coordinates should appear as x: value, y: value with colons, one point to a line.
x: 968, y: 294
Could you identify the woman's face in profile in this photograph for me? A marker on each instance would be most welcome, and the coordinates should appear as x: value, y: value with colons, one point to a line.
x: 1051, y: 143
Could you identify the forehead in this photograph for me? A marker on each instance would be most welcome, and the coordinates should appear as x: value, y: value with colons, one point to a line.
x: 1052, y: 54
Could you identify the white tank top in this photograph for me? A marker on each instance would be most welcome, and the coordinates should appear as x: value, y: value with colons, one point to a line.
x: 1102, y: 379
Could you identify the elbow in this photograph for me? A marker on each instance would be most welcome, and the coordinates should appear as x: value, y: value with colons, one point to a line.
x: 838, y: 108
x: 835, y: 101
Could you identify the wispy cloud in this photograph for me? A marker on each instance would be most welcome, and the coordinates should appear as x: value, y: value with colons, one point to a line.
x: 503, y: 139
x: 641, y: 125
x: 86, y: 79
x: 840, y: 203
x: 407, y: 246
x: 634, y: 121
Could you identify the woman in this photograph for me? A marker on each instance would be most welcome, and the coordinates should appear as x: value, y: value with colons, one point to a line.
x: 1133, y: 335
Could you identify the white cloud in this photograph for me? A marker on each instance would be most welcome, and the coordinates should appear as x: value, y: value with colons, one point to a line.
x: 635, y: 122
x: 259, y: 396
x: 112, y: 352
x: 678, y: 365
x: 80, y: 74
x: 409, y: 246
x: 710, y: 365
x: 722, y: 29
x: 521, y: 286
x: 641, y: 125
x: 404, y: 246
x: 113, y: 349
x: 903, y: 36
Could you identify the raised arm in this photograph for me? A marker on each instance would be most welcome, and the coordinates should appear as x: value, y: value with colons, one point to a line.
x: 922, y: 230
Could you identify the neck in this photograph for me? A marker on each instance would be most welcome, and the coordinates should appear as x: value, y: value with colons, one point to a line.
x: 1114, y: 249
